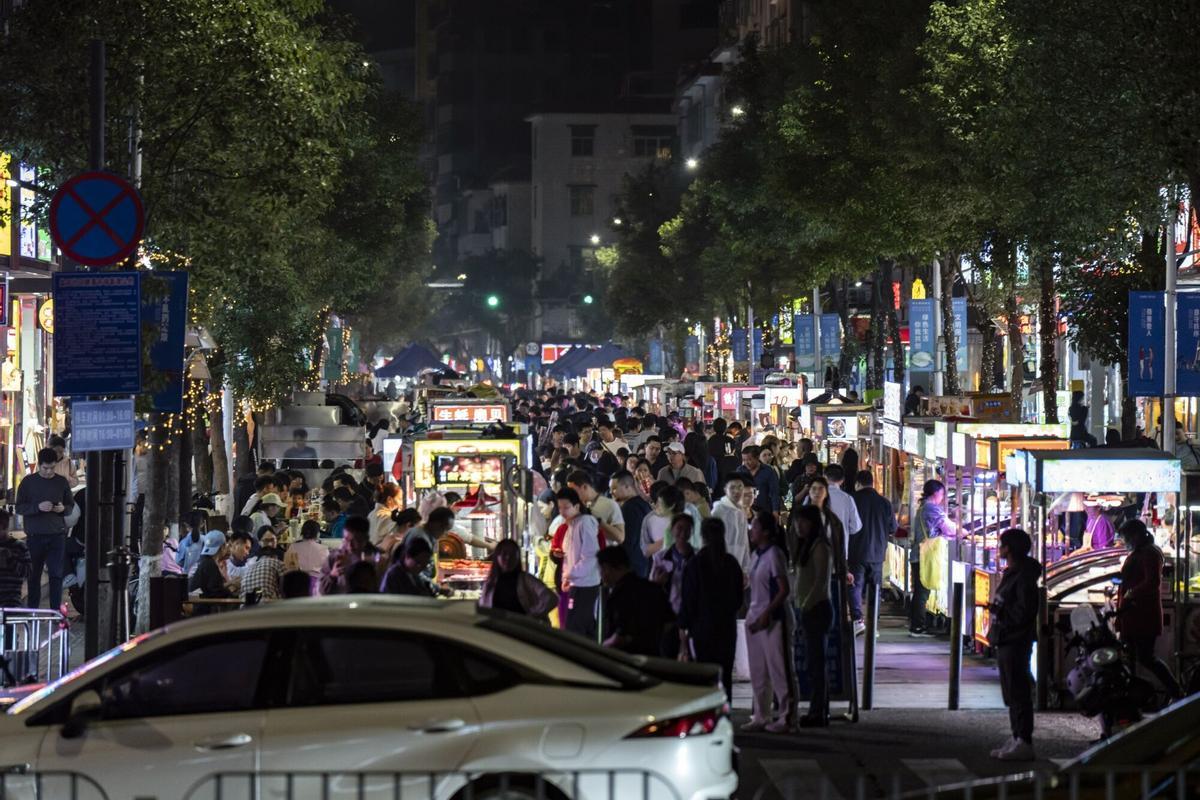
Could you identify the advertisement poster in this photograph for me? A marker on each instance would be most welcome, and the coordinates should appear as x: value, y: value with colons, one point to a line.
x: 802, y: 335
x: 959, y: 305
x: 831, y: 337
x: 1147, y: 339
x: 1187, y: 331
x: 921, y: 335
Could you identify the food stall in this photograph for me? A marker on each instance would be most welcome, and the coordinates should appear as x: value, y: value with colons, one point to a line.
x: 1142, y: 483
x: 489, y: 473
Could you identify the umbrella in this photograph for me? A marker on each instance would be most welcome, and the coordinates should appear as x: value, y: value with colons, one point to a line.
x: 409, y: 362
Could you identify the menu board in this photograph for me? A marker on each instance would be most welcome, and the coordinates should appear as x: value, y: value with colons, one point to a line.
x: 893, y: 401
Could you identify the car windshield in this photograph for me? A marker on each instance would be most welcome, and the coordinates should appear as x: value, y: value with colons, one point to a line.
x: 612, y: 664
x: 82, y: 671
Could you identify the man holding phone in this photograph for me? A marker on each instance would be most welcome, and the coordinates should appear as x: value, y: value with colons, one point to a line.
x: 43, y: 501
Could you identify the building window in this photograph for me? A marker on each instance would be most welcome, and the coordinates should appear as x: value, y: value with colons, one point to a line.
x: 583, y: 140
x: 583, y: 200
x: 653, y: 141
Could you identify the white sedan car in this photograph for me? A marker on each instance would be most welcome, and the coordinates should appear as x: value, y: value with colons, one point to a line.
x: 373, y: 696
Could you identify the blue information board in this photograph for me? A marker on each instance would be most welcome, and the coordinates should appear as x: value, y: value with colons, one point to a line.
x: 831, y: 338
x: 655, y: 360
x: 921, y: 335
x: 1187, y: 332
x: 959, y: 305
x: 102, y: 425
x: 165, y: 312
x: 738, y: 346
x: 97, y: 333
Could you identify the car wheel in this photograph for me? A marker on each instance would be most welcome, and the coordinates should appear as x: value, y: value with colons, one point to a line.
x: 510, y: 787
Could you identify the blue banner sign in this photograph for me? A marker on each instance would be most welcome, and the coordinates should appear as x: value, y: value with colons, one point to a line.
x: 1147, y: 341
x: 756, y: 349
x: 1187, y: 331
x: 101, y: 425
x: 165, y: 312
x: 959, y: 304
x: 921, y: 335
x: 655, y: 361
x: 691, y: 352
x: 97, y: 333
x: 737, y: 343
x: 802, y: 342
x: 831, y: 337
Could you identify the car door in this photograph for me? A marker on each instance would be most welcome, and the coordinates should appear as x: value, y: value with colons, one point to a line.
x: 169, y: 721
x: 366, y: 700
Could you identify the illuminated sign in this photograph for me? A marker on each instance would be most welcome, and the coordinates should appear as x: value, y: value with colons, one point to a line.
x: 1110, y: 475
x: 941, y: 439
x: 893, y: 401
x: 891, y: 435
x: 426, y: 453
x: 914, y: 439
x: 805, y: 418
x: 469, y: 413
x: 553, y: 352
x: 1001, y: 430
x: 789, y: 396
x: 730, y: 395
x: 45, y: 314
x: 841, y: 429
x: 958, y: 449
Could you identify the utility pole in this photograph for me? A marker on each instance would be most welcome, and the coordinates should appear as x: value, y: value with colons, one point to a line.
x: 819, y: 370
x: 95, y: 468
x: 939, y: 355
x: 1169, y: 356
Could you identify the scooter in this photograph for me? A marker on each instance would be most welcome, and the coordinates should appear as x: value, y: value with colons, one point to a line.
x: 1104, y: 680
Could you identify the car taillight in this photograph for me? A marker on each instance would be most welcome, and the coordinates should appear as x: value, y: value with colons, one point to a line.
x: 698, y: 724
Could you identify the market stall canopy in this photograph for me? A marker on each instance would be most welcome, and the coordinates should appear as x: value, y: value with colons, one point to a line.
x: 409, y: 362
x: 600, y: 359
x: 564, y: 365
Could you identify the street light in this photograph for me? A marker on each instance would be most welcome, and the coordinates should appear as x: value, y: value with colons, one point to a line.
x: 737, y: 111
x: 617, y: 221
x: 462, y: 276
x: 595, y: 238
x: 691, y: 163
x: 493, y: 301
x: 588, y: 299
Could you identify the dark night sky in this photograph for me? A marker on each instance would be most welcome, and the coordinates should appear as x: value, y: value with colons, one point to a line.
x: 382, y: 24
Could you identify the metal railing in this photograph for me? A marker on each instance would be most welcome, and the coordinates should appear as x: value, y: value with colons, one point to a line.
x: 35, y: 644
x: 21, y: 785
x: 499, y: 784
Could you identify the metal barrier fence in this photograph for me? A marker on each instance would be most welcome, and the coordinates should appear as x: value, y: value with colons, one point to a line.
x: 49, y: 786
x: 494, y: 785
x: 35, y: 644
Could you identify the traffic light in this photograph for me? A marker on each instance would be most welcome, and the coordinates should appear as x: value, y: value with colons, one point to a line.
x: 493, y: 300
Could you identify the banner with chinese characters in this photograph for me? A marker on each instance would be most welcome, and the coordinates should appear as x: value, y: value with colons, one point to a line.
x: 737, y: 343
x: 1187, y: 351
x: 802, y: 338
x: 921, y: 335
x: 959, y: 305
x: 654, y: 363
x: 1147, y: 340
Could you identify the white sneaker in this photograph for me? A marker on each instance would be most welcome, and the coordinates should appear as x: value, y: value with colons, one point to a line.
x: 860, y: 627
x: 999, y: 751
x: 1017, y: 751
x: 753, y: 726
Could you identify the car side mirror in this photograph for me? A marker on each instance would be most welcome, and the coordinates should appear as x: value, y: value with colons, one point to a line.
x: 85, y: 709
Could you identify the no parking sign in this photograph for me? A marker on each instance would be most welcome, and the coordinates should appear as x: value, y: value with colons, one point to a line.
x: 97, y: 219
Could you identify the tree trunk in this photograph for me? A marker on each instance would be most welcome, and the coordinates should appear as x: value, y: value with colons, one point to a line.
x: 990, y: 355
x: 1128, y: 411
x: 1048, y: 329
x: 201, y: 459
x: 946, y: 265
x: 220, y: 463
x: 157, y: 477
x: 875, y: 365
x: 243, y: 454
x: 1006, y: 260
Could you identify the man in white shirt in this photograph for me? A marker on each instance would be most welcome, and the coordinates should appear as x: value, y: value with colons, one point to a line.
x: 609, y: 437
x: 842, y: 504
x: 729, y: 510
x: 606, y: 510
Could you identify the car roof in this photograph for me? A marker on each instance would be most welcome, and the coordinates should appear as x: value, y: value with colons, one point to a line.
x: 340, y: 609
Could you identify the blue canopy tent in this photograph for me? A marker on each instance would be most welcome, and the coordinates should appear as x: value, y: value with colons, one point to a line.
x: 599, y: 359
x: 409, y: 362
x: 564, y: 365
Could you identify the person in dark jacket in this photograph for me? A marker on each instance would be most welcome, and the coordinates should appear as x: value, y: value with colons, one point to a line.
x: 1014, y: 609
x: 208, y: 579
x: 634, y: 510
x: 638, y: 612
x: 722, y: 450
x: 713, y: 590
x: 867, y: 549
x: 1139, y: 601
x: 43, y: 500
x: 14, y: 565
x: 405, y: 576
